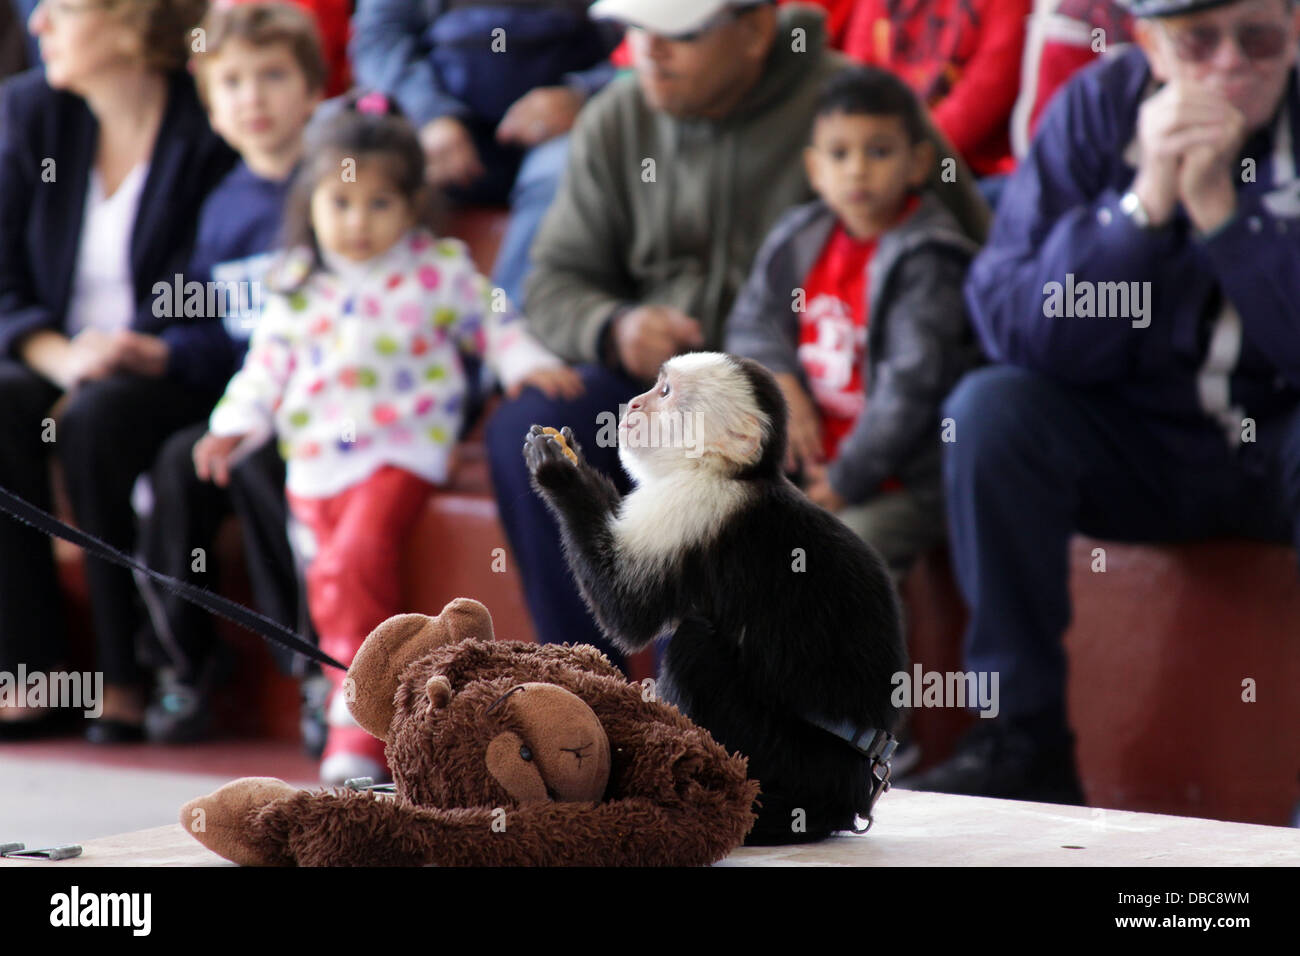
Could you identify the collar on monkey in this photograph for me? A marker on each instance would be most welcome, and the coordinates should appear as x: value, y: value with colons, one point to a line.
x: 877, y: 746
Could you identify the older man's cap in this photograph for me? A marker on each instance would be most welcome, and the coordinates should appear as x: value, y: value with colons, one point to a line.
x: 1150, y: 9
x: 668, y: 18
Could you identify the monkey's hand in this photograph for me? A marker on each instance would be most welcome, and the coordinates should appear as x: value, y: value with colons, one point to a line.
x: 555, y: 462
x: 579, y: 495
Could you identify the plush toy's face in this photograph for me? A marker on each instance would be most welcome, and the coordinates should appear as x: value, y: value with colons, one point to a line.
x: 550, y: 746
x: 496, y: 743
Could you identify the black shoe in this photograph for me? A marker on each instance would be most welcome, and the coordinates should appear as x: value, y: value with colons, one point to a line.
x: 998, y: 759
x: 181, y: 710
x: 106, y: 730
x: 178, y: 714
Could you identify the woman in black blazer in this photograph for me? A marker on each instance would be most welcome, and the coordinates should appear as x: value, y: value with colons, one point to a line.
x: 104, y: 162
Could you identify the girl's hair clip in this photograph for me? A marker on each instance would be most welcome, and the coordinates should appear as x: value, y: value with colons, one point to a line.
x: 373, y: 102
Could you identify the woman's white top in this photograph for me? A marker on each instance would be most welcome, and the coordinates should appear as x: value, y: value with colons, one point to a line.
x: 103, y: 295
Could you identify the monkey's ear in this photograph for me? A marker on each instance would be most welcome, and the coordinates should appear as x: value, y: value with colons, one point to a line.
x: 743, y: 441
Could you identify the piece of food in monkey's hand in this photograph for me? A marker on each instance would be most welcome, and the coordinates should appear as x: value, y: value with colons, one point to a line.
x: 564, y: 445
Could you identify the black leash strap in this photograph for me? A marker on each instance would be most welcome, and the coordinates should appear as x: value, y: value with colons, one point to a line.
x: 246, y: 618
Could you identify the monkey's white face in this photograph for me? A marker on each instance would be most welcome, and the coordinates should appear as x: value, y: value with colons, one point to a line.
x: 646, y: 432
x: 701, y: 411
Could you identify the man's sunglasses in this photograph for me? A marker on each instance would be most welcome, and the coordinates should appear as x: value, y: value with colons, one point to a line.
x: 1257, y: 41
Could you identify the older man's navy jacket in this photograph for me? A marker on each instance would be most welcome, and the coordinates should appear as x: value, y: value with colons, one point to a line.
x: 47, y: 145
x: 1060, y: 223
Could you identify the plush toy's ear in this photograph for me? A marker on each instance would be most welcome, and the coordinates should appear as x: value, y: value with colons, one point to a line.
x: 377, y: 666
x: 555, y: 749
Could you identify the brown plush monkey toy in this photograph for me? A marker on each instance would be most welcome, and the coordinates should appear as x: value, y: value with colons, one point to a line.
x: 503, y: 753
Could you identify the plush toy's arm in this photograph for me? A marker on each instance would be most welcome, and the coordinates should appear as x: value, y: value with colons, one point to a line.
x: 357, y: 829
x: 344, y: 828
x: 632, y: 832
x: 341, y: 828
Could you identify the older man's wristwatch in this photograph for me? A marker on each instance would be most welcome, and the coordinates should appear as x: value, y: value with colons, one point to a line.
x: 1131, y: 206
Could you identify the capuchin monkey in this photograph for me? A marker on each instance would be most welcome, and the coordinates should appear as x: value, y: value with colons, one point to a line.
x: 784, y: 625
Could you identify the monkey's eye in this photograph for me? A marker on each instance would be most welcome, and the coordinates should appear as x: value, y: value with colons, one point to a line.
x: 525, y: 753
x: 663, y: 392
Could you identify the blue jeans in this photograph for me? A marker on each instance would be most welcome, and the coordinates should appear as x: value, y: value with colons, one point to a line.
x: 557, y: 608
x: 534, y: 189
x: 1035, y: 460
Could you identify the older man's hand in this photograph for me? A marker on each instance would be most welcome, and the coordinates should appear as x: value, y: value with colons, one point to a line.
x: 1189, y: 137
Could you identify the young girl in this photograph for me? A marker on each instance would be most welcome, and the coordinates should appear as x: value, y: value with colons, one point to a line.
x: 355, y: 365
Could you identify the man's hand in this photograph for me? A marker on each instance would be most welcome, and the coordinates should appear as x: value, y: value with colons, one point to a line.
x: 1185, y: 122
x: 819, y: 489
x: 449, y: 153
x: 650, y: 335
x: 1207, y: 178
x: 212, y: 454
x: 554, y: 382
x: 539, y: 115
x: 805, y: 442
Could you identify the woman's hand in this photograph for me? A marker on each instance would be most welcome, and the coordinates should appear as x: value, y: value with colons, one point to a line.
x: 212, y: 455
x: 558, y: 382
x: 93, y: 355
x: 90, y: 356
x: 141, y: 354
x: 805, y: 431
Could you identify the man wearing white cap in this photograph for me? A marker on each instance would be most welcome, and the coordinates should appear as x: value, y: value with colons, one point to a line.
x: 675, y: 176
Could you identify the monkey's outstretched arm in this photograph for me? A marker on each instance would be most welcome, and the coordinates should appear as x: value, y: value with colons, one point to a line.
x: 632, y: 610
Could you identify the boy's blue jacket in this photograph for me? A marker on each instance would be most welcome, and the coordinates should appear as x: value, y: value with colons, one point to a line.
x: 238, y: 234
x: 1061, y: 217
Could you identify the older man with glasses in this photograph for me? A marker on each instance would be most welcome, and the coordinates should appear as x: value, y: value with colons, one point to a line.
x: 1141, y: 292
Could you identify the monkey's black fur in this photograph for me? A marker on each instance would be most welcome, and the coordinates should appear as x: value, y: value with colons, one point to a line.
x: 757, y: 645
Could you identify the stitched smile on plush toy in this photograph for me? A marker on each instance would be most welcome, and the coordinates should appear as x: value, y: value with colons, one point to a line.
x: 550, y: 746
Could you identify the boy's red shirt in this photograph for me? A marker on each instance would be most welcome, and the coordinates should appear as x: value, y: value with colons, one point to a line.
x: 833, y: 332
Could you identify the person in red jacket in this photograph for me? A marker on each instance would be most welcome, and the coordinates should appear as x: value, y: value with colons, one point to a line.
x: 962, y: 57
x: 1063, y: 36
